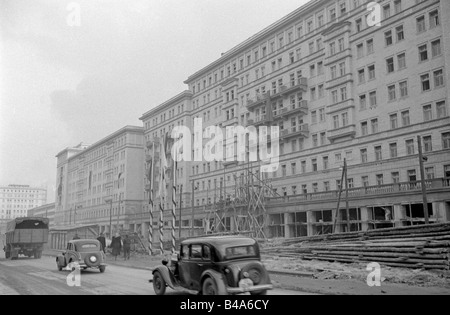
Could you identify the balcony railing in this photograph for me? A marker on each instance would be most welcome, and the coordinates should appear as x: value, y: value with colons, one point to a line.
x: 347, y: 131
x: 300, y: 84
x: 301, y: 130
x: 301, y: 107
x: 258, y: 100
x: 360, y: 192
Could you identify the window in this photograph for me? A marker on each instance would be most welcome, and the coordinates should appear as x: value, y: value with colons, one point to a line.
x: 344, y: 94
x: 412, y: 177
x: 434, y: 19
x: 341, y: 44
x: 410, y: 147
x: 390, y: 65
x: 312, y: 70
x: 362, y: 102
x: 334, y: 96
x: 362, y: 76
x: 320, y: 67
x: 315, y: 140
x: 322, y: 115
x: 429, y: 173
x: 387, y: 11
x: 401, y: 61
x: 378, y: 153
x: 332, y: 48
x: 380, y: 179
x: 358, y: 25
x: 373, y: 99
x: 360, y: 50
x: 370, y: 49
x: 438, y: 78
x: 405, y: 118
x: 391, y: 93
x: 403, y: 89
x: 336, y: 122
x: 371, y: 72
x: 393, y: 150
x: 394, y: 121
x: 314, y: 165
x: 441, y: 109
x: 395, y: 177
x: 364, y: 156
x: 388, y: 38
x: 436, y: 48
x: 423, y: 53
x: 425, y: 80
x: 332, y: 14
x: 427, y: 113
x: 446, y: 140
x: 342, y: 70
x: 345, y: 119
x: 397, y: 6
x: 333, y: 72
x: 365, y: 181
x: 421, y: 24
x: 400, y: 33
x: 427, y: 144
x: 364, y: 128
x: 325, y: 162
x: 374, y: 125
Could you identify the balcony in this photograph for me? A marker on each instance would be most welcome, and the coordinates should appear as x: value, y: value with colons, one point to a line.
x: 262, y: 120
x: 300, y: 85
x: 298, y: 131
x: 260, y: 99
x: 231, y: 103
x: 230, y: 122
x: 301, y: 107
x: 344, y: 132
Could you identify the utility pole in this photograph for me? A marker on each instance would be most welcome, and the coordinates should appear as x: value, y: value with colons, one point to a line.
x: 110, y: 218
x: 346, y: 195
x: 193, y: 205
x: 120, y: 200
x: 179, y: 224
x: 339, y: 197
x: 422, y: 180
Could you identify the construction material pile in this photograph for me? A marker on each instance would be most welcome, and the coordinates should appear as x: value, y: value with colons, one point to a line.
x: 420, y: 247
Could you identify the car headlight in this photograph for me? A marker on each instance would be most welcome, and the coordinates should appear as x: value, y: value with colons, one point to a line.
x: 93, y: 259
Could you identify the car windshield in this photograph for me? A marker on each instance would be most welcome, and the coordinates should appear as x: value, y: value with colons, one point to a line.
x: 87, y: 247
x: 240, y: 251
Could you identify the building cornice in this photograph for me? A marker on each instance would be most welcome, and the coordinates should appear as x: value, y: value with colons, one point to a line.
x: 249, y: 43
x: 185, y: 95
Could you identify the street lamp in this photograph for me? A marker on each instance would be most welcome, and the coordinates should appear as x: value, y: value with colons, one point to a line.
x: 118, y: 209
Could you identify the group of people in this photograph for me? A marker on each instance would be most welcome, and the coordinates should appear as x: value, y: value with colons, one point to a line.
x: 117, y: 244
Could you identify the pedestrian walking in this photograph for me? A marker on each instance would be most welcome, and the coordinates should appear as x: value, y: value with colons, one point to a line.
x: 126, y: 247
x: 116, y: 245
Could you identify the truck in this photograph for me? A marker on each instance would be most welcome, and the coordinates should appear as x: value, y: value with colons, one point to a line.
x: 26, y: 236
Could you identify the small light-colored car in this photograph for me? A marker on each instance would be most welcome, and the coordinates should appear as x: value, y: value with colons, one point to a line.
x: 215, y: 266
x: 85, y: 253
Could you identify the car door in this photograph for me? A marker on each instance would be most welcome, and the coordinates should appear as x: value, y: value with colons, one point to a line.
x: 196, y: 265
x: 70, y: 255
x: 183, y: 266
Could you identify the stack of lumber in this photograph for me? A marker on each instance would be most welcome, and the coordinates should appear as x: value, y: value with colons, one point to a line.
x: 424, y: 247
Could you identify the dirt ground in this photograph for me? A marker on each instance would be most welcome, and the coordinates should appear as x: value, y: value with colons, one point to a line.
x: 338, y: 271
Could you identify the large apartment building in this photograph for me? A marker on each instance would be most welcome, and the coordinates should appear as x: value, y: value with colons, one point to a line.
x: 339, y: 88
x: 16, y: 200
x: 102, y: 183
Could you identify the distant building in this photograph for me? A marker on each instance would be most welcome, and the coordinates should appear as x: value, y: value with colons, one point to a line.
x: 45, y: 211
x: 93, y: 179
x: 16, y: 200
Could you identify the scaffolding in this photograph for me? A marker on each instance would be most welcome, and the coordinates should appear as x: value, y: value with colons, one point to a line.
x: 243, y: 210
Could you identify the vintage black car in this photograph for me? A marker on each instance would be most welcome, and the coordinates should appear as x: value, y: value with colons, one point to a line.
x: 85, y: 253
x: 215, y: 266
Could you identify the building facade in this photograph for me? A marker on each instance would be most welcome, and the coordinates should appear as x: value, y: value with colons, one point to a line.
x: 102, y: 183
x: 340, y: 89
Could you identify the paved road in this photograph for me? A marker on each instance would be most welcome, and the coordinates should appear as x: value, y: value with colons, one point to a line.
x: 40, y: 277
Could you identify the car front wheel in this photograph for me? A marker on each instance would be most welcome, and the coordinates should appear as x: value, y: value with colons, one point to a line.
x: 209, y: 287
x: 159, y: 284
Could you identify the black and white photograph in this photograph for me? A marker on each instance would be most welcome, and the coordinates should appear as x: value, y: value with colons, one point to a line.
x: 241, y: 148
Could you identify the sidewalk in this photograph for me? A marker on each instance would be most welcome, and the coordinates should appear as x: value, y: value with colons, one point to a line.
x: 304, y: 281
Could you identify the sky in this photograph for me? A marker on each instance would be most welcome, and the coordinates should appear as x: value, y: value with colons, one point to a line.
x: 65, y: 80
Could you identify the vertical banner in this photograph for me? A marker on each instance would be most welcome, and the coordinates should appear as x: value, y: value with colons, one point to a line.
x: 174, y: 203
x: 162, y: 193
x: 150, y: 227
